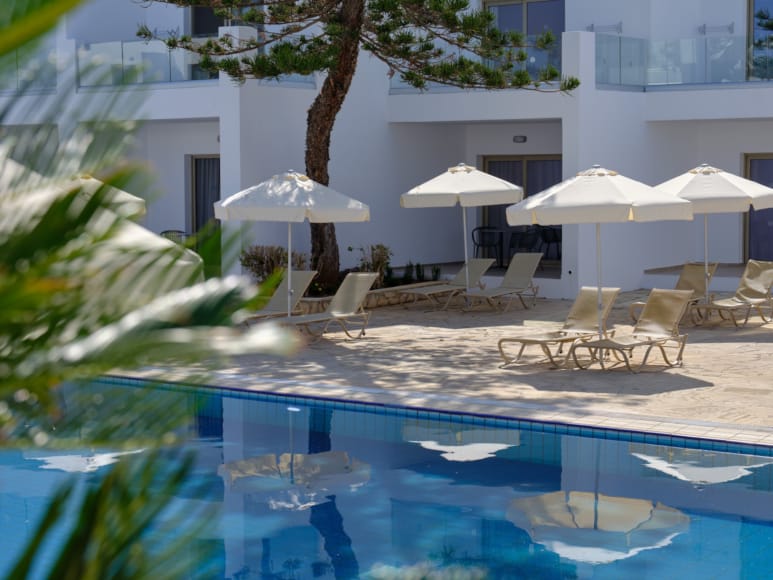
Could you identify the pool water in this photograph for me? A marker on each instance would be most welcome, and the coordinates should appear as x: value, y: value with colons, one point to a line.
x: 309, y: 488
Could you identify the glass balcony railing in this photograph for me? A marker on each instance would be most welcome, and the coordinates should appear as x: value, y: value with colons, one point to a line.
x: 637, y: 62
x: 119, y: 62
x: 23, y: 73
x: 141, y: 62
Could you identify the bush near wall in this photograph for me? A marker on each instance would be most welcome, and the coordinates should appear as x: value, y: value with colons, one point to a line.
x: 262, y: 261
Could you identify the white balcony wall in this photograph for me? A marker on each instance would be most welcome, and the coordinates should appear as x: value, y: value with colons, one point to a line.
x: 163, y: 147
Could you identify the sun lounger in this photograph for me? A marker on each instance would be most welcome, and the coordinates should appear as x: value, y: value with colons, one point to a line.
x: 277, y: 304
x: 441, y: 294
x: 345, y: 308
x: 753, y: 293
x: 516, y: 283
x: 657, y: 327
x: 582, y: 321
x: 692, y: 277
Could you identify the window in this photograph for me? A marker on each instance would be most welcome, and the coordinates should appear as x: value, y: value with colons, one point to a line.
x: 532, y: 18
x: 204, y: 22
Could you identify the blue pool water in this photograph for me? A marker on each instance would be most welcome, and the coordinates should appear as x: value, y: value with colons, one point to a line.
x: 315, y: 489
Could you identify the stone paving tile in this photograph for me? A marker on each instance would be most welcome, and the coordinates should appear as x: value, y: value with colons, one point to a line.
x: 448, y: 360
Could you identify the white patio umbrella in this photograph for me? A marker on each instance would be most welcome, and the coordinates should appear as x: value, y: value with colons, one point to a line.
x: 16, y: 177
x: 712, y: 190
x: 466, y: 186
x: 291, y: 197
x: 597, y: 196
x: 120, y: 201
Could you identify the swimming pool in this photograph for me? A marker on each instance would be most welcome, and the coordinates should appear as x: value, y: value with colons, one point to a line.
x: 320, y: 489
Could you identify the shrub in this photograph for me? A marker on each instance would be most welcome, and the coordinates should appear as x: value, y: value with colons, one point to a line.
x: 407, y: 273
x: 262, y: 261
x: 374, y: 258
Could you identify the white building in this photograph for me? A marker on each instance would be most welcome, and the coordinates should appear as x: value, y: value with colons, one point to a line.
x: 665, y: 87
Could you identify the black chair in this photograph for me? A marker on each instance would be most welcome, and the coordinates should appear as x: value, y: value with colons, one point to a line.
x: 485, y: 239
x: 524, y: 239
x: 551, y: 237
x: 178, y: 236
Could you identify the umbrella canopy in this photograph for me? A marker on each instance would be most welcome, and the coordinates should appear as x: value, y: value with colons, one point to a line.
x: 120, y: 201
x: 597, y: 196
x: 306, y: 479
x: 15, y: 176
x: 466, y: 186
x: 712, y: 190
x: 596, y: 528
x: 132, y: 265
x: 291, y: 197
x: 698, y: 466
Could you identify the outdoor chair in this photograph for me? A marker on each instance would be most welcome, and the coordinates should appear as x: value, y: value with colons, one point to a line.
x: 753, y: 293
x: 517, y: 282
x: 487, y: 240
x: 346, y: 308
x: 524, y: 239
x: 581, y: 322
x: 441, y: 294
x: 692, y: 277
x: 657, y: 327
x: 277, y: 304
x: 551, y: 238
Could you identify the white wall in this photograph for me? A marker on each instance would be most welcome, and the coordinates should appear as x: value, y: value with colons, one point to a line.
x: 163, y: 146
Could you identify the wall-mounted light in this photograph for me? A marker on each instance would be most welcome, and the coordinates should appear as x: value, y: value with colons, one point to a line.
x: 519, y: 138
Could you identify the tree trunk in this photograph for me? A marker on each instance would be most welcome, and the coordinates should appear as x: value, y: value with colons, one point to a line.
x: 320, y: 121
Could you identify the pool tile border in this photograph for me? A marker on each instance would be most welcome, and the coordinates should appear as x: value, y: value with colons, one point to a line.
x: 560, y: 424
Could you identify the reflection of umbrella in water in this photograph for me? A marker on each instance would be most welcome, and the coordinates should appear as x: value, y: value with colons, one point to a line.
x: 597, y: 196
x: 305, y: 479
x: 466, y: 186
x: 596, y: 528
x: 459, y: 444
x: 81, y: 463
x: 291, y: 197
x: 697, y: 465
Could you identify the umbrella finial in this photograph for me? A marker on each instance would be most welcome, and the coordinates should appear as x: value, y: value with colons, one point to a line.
x: 597, y: 171
x: 461, y: 167
x: 705, y: 169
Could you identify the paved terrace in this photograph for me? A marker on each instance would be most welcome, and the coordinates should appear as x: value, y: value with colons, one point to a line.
x: 448, y: 360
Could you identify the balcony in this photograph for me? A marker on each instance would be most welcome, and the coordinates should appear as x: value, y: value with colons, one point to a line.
x: 145, y: 62
x: 646, y: 64
x: 24, y: 73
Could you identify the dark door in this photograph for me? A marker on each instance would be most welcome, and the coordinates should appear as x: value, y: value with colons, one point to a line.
x: 206, y: 191
x: 760, y: 169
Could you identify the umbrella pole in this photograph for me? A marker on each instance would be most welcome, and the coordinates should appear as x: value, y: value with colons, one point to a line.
x: 706, y: 255
x: 289, y: 268
x: 464, y: 230
x: 600, y: 305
